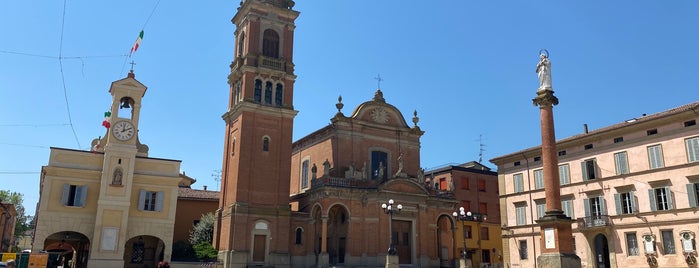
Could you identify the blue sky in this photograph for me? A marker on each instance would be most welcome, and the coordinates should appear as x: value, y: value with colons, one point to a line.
x: 467, y: 67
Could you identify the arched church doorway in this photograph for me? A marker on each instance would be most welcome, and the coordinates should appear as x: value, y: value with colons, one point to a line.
x: 445, y: 240
x: 143, y: 251
x: 338, y: 225
x: 601, y: 251
x: 68, y: 249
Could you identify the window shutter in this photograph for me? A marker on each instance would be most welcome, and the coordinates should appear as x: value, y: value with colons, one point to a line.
x: 83, y: 196
x: 595, y: 169
x: 587, y: 207
x: 670, y: 204
x: 562, y: 175
x: 617, y: 204
x: 539, y: 179
x: 583, y: 166
x: 141, y: 199
x: 633, y: 202
x: 66, y: 193
x: 159, y: 201
x: 603, y: 206
x: 692, y: 194
x: 692, y: 149
x: 651, y: 197
x: 569, y: 207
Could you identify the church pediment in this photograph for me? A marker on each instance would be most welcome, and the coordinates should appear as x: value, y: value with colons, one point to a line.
x: 377, y: 111
x: 409, y: 186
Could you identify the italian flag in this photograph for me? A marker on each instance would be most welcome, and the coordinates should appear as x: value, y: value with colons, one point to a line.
x: 138, y: 43
x: 107, y: 119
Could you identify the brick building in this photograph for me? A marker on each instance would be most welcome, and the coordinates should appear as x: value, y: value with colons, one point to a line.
x: 336, y: 178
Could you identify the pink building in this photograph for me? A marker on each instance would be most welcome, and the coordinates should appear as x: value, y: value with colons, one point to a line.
x: 630, y: 188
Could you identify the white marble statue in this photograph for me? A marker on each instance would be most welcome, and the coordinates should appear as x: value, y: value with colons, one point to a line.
x: 543, y: 70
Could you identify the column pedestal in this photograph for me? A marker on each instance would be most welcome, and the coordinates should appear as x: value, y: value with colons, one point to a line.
x: 557, y: 242
x: 392, y: 261
x: 323, y: 260
x: 465, y: 263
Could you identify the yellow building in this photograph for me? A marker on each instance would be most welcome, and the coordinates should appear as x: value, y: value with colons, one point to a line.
x: 112, y: 206
x: 475, y: 186
x: 630, y: 188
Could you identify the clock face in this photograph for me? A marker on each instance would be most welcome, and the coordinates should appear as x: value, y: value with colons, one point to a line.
x: 123, y: 130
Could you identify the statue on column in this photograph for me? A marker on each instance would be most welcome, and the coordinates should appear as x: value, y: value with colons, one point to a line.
x: 543, y: 70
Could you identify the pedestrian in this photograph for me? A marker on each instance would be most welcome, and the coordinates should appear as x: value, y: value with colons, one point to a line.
x: 10, y: 263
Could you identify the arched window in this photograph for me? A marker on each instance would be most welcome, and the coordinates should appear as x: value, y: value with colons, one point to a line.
x: 268, y: 93
x: 236, y: 93
x: 270, y: 44
x: 258, y: 90
x: 265, y: 144
x: 379, y: 162
x: 299, y: 235
x: 278, y: 95
x: 126, y: 108
x: 304, y: 174
x: 241, y: 44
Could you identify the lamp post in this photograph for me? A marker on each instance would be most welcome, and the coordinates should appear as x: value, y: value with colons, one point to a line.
x: 388, y: 209
x: 462, y: 216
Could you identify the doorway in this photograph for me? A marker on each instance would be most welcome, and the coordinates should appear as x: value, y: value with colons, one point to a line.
x: 601, y: 251
x: 402, y: 232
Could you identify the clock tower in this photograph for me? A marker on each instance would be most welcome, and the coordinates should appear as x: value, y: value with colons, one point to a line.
x: 120, y: 147
x: 254, y: 215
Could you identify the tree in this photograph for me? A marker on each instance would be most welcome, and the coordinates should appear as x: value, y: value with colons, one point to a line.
x: 202, y: 236
x: 203, y: 231
x: 23, y: 221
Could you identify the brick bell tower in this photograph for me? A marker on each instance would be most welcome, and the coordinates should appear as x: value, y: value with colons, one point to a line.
x: 253, y: 219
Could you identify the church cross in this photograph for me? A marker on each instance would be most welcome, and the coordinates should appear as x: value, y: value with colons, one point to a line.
x: 379, y: 79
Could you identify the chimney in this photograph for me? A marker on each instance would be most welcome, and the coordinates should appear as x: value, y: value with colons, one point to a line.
x: 585, y: 128
x: 204, y: 187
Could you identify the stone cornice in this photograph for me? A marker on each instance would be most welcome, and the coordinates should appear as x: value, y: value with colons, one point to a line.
x: 247, y: 106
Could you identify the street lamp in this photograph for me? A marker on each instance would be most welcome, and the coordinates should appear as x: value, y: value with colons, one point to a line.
x: 462, y: 216
x: 388, y: 209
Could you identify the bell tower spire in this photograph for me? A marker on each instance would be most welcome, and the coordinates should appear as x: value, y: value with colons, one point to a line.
x: 254, y: 203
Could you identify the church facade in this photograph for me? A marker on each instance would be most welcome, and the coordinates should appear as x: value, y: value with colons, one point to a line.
x: 317, y: 202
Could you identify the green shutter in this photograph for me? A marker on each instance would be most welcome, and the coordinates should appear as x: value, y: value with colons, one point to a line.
x: 617, y: 204
x: 651, y: 197
x: 583, y: 166
x: 670, y: 204
x: 602, y: 206
x: 692, y: 195
x: 587, y: 207
x: 634, y: 209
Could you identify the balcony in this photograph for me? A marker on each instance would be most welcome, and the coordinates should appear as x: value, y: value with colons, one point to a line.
x: 593, y: 222
x: 272, y: 63
x: 259, y: 61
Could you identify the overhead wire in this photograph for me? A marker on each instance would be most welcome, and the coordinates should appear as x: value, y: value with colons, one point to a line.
x: 63, y: 79
x: 60, y: 59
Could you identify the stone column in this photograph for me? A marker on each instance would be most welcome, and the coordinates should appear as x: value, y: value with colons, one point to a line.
x: 556, y: 230
x: 324, y: 258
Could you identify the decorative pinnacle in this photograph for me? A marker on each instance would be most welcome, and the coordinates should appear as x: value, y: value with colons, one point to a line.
x: 415, y: 118
x: 339, y: 104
